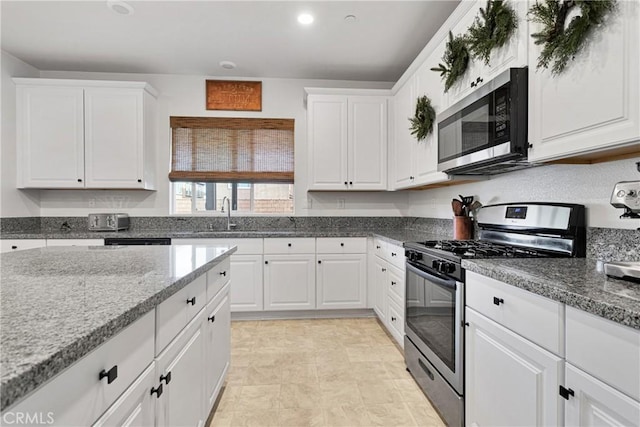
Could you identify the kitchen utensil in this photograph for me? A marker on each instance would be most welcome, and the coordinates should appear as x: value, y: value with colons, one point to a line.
x: 458, y: 207
x: 466, y: 201
x: 475, y: 206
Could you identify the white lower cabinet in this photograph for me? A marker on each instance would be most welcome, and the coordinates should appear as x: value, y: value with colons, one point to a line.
x: 594, y: 403
x: 217, y: 331
x: 341, y: 281
x: 136, y: 406
x: 180, y: 371
x: 247, y: 293
x: 380, y: 268
x: 290, y: 282
x: 509, y: 380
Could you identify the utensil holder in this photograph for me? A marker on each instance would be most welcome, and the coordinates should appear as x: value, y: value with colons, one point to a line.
x: 462, y: 228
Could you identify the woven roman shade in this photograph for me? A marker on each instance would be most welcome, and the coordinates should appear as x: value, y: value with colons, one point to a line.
x: 217, y: 149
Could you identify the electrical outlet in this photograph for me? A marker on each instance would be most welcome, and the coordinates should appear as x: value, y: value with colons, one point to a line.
x: 340, y: 203
x: 92, y: 203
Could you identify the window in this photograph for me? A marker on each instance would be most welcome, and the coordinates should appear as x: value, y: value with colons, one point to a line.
x: 249, y: 161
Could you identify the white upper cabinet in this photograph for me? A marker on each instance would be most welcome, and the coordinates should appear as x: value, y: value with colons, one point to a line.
x: 594, y: 104
x: 85, y: 134
x: 512, y: 54
x: 347, y: 137
x: 403, y: 142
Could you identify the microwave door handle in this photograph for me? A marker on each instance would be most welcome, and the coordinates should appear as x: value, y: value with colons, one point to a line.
x: 451, y: 284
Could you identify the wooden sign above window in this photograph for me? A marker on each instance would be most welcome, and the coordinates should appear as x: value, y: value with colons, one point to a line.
x: 234, y: 95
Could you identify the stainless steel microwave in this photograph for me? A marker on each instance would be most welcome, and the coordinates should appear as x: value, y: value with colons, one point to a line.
x: 486, y: 132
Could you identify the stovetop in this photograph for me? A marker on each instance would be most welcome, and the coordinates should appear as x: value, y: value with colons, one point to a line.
x: 479, y: 249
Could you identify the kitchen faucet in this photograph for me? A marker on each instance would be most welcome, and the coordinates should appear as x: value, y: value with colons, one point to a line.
x: 229, y: 225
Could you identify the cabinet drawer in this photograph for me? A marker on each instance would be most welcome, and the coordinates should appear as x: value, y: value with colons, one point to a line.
x: 395, y: 321
x: 395, y: 255
x: 340, y: 245
x: 396, y: 285
x: 175, y: 312
x: 78, y: 396
x: 217, y: 277
x: 605, y: 349
x: 379, y: 247
x: 21, y: 244
x: 536, y: 318
x: 245, y: 246
x: 294, y: 245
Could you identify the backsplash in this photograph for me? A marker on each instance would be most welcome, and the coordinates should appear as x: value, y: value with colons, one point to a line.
x: 613, y: 244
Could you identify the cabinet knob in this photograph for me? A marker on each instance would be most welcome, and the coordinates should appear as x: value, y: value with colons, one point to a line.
x: 384, y: 269
x: 14, y: 247
x: 212, y: 318
x: 394, y: 254
x: 473, y: 84
x: 319, y: 262
x: 79, y: 180
x: 266, y: 262
x: 342, y: 245
x: 566, y: 392
x: 498, y: 301
x: 345, y: 183
x: 393, y: 319
x: 479, y: 80
x: 139, y: 180
x: 289, y: 244
x: 110, y: 375
x: 191, y: 301
x: 412, y: 178
x: 166, y: 378
x: 377, y: 247
x: 350, y: 182
x: 223, y: 273
x: 393, y: 283
x: 157, y: 391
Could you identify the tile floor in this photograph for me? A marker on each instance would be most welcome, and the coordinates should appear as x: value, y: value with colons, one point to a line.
x: 324, y: 372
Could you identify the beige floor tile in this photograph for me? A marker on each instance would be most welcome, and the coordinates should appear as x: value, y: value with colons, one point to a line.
x: 335, y: 371
x: 299, y: 396
x: 347, y: 416
x: 299, y: 374
x: 369, y: 371
x: 256, y: 418
x: 221, y: 419
x: 389, y: 353
x: 378, y: 392
x: 397, y: 370
x: 330, y: 355
x: 362, y: 354
x: 410, y: 392
x: 301, y: 417
x: 228, y: 398
x: 392, y: 414
x: 300, y: 357
x: 425, y: 415
x: 339, y: 393
x: 242, y: 359
x: 254, y: 397
x: 237, y: 375
x: 263, y: 375
x: 265, y: 359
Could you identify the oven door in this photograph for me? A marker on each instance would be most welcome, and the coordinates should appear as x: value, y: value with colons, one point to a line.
x: 434, y: 320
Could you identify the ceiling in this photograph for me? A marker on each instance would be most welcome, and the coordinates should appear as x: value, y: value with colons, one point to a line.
x: 263, y: 38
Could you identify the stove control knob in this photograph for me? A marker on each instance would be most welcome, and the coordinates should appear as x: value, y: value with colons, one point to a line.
x: 447, y: 267
x: 414, y: 256
x: 436, y: 264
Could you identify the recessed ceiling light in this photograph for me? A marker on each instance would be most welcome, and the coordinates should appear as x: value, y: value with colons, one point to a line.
x: 350, y: 18
x: 305, y: 18
x: 227, y: 65
x: 120, y: 7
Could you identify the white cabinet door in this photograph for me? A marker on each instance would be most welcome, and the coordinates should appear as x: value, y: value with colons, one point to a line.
x: 136, y: 406
x: 327, y: 136
x: 596, y: 404
x: 289, y: 282
x: 50, y: 134
x: 594, y: 104
x: 367, y: 143
x: 217, y: 327
x: 381, y: 283
x: 114, y: 138
x: 181, y: 403
x: 10, y: 245
x: 404, y: 144
x: 341, y: 281
x: 246, y: 286
x: 509, y: 381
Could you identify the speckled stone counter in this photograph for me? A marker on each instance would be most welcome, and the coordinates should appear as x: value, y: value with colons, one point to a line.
x: 576, y: 282
x: 59, y: 303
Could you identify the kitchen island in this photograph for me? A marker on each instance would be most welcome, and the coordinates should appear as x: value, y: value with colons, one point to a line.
x: 60, y: 305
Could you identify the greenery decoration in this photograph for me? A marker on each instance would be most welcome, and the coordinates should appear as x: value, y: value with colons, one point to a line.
x: 492, y: 29
x: 455, y: 59
x: 422, y: 122
x: 561, y: 42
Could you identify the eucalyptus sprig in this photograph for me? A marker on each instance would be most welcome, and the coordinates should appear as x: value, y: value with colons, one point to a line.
x: 454, y: 61
x: 492, y: 29
x: 422, y: 122
x: 561, y: 42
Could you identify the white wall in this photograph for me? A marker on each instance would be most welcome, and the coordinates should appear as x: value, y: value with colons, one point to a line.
x: 185, y: 96
x: 13, y: 202
x: 590, y: 185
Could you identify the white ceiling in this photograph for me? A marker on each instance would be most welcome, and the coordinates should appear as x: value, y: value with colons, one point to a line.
x: 263, y: 38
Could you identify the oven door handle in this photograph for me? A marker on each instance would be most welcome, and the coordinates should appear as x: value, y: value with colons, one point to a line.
x: 451, y: 284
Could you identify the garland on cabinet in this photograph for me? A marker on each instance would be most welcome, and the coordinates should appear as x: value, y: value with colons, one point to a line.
x: 560, y: 41
x: 455, y: 59
x: 422, y: 122
x: 491, y: 29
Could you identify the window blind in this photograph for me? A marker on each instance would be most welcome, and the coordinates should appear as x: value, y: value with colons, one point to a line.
x: 218, y: 149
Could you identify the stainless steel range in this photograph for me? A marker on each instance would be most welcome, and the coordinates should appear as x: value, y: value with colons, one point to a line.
x: 434, y: 298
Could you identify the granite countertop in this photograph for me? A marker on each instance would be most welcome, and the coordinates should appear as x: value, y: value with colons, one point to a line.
x: 576, y: 282
x: 59, y: 303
